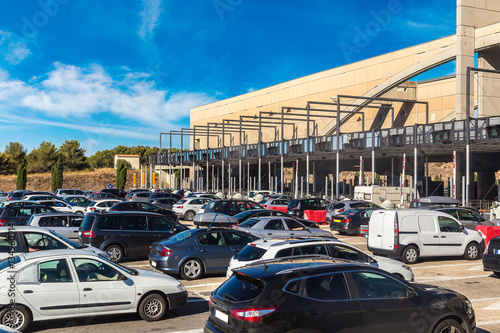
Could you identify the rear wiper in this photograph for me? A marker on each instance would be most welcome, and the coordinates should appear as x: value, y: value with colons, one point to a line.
x: 230, y: 297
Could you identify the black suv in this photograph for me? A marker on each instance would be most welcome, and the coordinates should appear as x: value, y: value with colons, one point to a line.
x: 141, y: 206
x: 491, y: 256
x: 116, y: 191
x: 19, y: 215
x: 332, y: 295
x: 231, y: 207
x: 123, y: 234
x: 297, y: 207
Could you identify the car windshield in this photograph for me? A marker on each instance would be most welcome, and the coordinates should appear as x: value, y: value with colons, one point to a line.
x: 248, y: 223
x: 68, y: 241
x: 294, y: 203
x: 352, y: 211
x: 182, y: 236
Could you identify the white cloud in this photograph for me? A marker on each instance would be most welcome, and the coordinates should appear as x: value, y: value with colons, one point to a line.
x: 13, y: 48
x: 150, y: 16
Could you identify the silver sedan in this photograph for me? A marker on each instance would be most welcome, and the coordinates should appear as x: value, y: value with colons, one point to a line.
x: 268, y: 227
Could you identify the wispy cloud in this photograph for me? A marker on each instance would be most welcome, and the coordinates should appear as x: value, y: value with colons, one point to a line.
x: 13, y: 48
x: 419, y: 25
x: 150, y: 17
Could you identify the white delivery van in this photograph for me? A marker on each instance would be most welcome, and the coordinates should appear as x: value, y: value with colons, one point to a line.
x: 378, y: 194
x: 413, y: 233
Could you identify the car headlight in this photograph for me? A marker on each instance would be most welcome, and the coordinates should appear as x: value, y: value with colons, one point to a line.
x: 181, y: 287
x: 407, y: 267
x: 468, y: 308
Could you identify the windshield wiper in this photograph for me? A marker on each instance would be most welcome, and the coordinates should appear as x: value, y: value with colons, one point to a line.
x: 230, y: 297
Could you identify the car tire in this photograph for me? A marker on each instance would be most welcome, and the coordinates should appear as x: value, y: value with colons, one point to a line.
x: 449, y: 325
x: 153, y: 307
x: 410, y: 255
x: 192, y: 269
x: 472, y: 251
x: 358, y: 231
x: 497, y: 274
x: 189, y: 216
x: 115, y: 252
x: 18, y: 317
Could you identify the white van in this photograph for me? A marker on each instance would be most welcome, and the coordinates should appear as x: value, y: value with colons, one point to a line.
x: 411, y: 233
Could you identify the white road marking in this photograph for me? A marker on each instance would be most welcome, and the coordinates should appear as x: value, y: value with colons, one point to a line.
x: 484, y: 299
x: 190, y: 331
x: 494, y: 306
x: 203, y: 285
x: 487, y: 323
x: 477, y: 268
x: 451, y: 265
x: 446, y: 278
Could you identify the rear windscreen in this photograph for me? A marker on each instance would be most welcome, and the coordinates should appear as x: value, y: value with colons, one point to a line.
x: 249, y: 253
x: 87, y: 222
x: 240, y: 288
x: 293, y: 203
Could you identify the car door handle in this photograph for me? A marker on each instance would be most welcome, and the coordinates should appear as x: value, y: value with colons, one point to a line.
x: 87, y: 289
x: 435, y: 236
x: 270, y: 233
x: 28, y: 292
x: 443, y: 236
x: 371, y: 309
x: 379, y: 235
x: 203, y: 250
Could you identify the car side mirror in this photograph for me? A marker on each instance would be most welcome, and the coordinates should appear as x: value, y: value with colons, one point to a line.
x: 411, y: 293
x: 461, y: 228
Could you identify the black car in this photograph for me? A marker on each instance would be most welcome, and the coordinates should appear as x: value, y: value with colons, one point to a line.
x: 19, y: 215
x: 231, y: 207
x: 141, y: 206
x: 491, y: 256
x: 102, y: 196
x: 350, y: 221
x: 332, y: 295
x: 296, y: 207
x: 116, y: 191
x: 243, y: 216
x: 123, y: 234
x: 157, y: 195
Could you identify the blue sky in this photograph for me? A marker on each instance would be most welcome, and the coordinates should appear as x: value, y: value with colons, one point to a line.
x: 119, y: 72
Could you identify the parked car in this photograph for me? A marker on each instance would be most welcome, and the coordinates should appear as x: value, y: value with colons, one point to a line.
x: 351, y: 221
x: 230, y: 207
x: 74, y: 283
x: 187, y: 208
x: 243, y: 216
x: 268, y: 227
x: 414, y: 233
x: 165, y: 203
x: 78, y: 200
x: 254, y: 194
x: 62, y: 206
x: 138, y: 196
x: 157, y: 195
x: 433, y: 201
x: 4, y: 196
x: 274, y: 202
x: 339, y: 207
x: 340, y: 296
x: 123, y: 234
x: 100, y: 206
x: 296, y: 207
x: 23, y: 239
x: 30, y: 195
x: 203, y: 195
x: 196, y: 252
x: 19, y: 215
x: 65, y: 224
x: 69, y: 192
x: 268, y: 249
x: 465, y: 215
x: 102, y: 196
x: 17, y: 194
x: 116, y: 191
x: 141, y: 206
x: 491, y: 256
x: 19, y: 203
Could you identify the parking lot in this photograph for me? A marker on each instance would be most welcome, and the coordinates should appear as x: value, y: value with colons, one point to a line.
x: 466, y: 277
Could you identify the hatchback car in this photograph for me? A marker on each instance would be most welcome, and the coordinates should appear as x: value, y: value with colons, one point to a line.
x: 268, y: 227
x: 68, y: 284
x: 100, y: 206
x: 196, y: 252
x: 243, y: 216
x: 230, y: 207
x: 465, y: 215
x: 63, y: 206
x: 65, y: 224
x: 269, y: 249
x: 138, y: 196
x: 332, y: 295
x: 351, y: 221
x: 165, y: 203
x: 296, y: 207
x: 187, y: 208
x: 338, y: 207
x: 123, y: 234
x: 19, y: 215
x: 22, y: 239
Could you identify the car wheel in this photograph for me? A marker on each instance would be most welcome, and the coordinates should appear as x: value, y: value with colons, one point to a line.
x: 189, y: 216
x: 471, y: 252
x: 449, y: 326
x: 115, y: 253
x: 410, y: 255
x: 18, y: 317
x: 152, y: 307
x: 192, y: 269
x: 497, y: 273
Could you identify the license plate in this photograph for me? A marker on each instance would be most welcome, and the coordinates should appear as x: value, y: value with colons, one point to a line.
x: 337, y: 221
x: 153, y: 263
x: 497, y: 251
x: 222, y: 316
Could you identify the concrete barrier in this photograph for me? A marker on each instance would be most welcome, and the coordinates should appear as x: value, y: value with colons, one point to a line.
x: 488, y: 232
x: 318, y: 216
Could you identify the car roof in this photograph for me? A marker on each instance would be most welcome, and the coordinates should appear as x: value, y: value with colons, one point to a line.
x: 127, y: 212
x: 20, y: 228
x: 275, y: 242
x: 54, y: 253
x: 58, y: 214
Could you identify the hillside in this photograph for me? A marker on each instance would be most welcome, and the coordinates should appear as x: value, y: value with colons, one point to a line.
x: 84, y: 180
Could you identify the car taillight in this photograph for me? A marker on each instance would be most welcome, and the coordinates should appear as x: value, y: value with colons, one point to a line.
x: 210, y: 300
x: 396, y: 234
x: 166, y: 252
x: 88, y: 234
x: 265, y: 206
x: 253, y: 314
x: 2, y: 223
x: 92, y: 209
x: 10, y: 199
x: 180, y: 207
x: 346, y: 220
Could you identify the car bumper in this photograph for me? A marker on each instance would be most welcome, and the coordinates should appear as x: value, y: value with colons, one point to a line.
x: 178, y: 299
x: 491, y: 262
x: 164, y: 266
x: 339, y: 226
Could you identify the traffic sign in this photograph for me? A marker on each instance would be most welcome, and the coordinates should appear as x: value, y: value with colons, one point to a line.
x: 110, y: 185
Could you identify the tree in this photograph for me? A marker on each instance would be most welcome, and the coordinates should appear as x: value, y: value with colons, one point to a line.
x: 4, y: 165
x: 122, y: 167
x: 72, y: 155
x: 21, y: 176
x: 177, y: 178
x: 15, y: 153
x: 42, y: 159
x: 57, y: 175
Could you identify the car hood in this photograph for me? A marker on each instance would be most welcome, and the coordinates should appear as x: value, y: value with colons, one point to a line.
x: 149, y: 279
x: 96, y: 250
x: 387, y: 261
x: 436, y: 290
